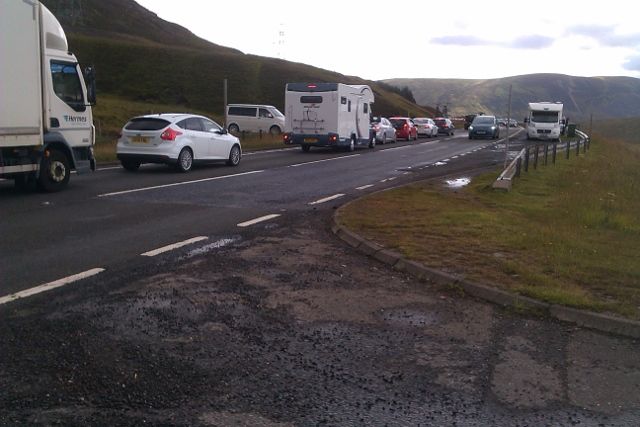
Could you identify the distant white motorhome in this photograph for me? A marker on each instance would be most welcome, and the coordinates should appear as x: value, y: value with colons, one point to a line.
x: 328, y: 115
x: 254, y: 118
x: 544, y: 120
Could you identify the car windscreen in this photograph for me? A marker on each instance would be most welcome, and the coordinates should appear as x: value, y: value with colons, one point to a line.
x: 376, y: 119
x: 483, y: 121
x: 398, y: 123
x: 145, y: 123
x: 276, y: 112
x: 544, y: 116
x: 421, y: 121
x: 441, y: 122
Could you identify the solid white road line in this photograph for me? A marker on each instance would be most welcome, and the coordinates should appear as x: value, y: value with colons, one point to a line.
x: 276, y: 150
x: 257, y: 220
x: 109, y: 168
x: 117, y: 193
x: 174, y: 246
x: 49, y: 286
x: 364, y: 187
x: 325, y: 160
x: 327, y: 199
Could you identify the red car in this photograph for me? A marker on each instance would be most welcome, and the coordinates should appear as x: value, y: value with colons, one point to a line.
x: 405, y: 128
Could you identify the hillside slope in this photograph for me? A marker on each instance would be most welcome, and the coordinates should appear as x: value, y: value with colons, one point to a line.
x: 605, y: 97
x: 142, y: 58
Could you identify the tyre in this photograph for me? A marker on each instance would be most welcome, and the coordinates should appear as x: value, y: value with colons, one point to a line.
x: 54, y: 171
x: 233, y: 128
x: 372, y: 143
x: 185, y: 160
x: 234, y: 156
x: 305, y: 148
x: 130, y: 165
x: 470, y: 137
x: 352, y: 145
x: 275, y: 130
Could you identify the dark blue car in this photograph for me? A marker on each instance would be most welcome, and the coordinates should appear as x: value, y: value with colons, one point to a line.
x: 484, y: 127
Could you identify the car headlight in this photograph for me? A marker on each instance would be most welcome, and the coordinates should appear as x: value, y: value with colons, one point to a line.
x: 470, y: 127
x: 493, y: 128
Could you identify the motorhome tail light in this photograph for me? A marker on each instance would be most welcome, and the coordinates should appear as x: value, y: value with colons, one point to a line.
x: 333, y: 138
x: 170, y: 134
x: 312, y: 86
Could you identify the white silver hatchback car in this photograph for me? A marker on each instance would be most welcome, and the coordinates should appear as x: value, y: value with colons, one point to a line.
x: 176, y: 139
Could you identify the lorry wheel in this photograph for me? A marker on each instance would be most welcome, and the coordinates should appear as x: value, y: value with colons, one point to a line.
x: 185, y: 160
x: 54, y: 172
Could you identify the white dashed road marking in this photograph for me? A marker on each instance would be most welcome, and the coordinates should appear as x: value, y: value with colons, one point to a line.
x: 117, y: 193
x: 327, y: 199
x: 51, y: 285
x: 364, y: 187
x: 174, y: 246
x: 324, y: 160
x: 257, y: 220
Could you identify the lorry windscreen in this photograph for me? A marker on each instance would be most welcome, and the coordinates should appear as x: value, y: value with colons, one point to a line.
x: 66, y: 84
x: 544, y: 116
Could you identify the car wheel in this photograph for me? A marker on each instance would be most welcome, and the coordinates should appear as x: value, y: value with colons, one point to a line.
x: 54, y: 172
x: 185, y: 160
x: 233, y: 128
x: 372, y: 143
x: 275, y: 130
x: 130, y: 165
x: 234, y: 156
x: 305, y: 148
x: 470, y: 137
x: 352, y: 145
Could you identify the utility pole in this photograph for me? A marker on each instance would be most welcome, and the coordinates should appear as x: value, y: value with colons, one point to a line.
x: 506, y: 143
x: 224, y: 91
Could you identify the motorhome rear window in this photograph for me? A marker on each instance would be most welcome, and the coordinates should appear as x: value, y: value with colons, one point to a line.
x: 243, y: 111
x: 143, y: 123
x: 311, y: 99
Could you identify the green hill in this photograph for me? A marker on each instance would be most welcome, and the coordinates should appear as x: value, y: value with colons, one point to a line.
x: 605, y: 97
x: 141, y: 58
x: 626, y: 129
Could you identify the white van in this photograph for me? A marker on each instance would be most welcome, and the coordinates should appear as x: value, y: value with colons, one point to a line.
x: 328, y: 115
x: 254, y: 118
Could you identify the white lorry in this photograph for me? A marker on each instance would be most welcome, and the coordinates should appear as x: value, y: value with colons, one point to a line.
x: 544, y: 121
x: 46, y: 125
x: 328, y: 115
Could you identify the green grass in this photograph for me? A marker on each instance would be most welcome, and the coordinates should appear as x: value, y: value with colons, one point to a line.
x: 567, y: 234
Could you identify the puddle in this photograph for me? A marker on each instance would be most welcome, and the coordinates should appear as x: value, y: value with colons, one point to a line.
x: 458, y: 183
x: 212, y: 246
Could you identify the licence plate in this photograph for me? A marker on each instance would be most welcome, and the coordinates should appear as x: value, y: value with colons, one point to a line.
x: 481, y: 132
x: 140, y: 139
x: 311, y: 140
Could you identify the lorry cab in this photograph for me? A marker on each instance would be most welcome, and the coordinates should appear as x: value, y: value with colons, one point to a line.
x: 46, y: 122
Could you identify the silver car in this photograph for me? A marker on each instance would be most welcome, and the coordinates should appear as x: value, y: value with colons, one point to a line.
x: 383, y: 130
x: 180, y: 140
x: 426, y: 126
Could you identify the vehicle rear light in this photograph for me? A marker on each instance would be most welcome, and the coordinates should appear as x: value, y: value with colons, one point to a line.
x: 333, y: 138
x: 312, y: 86
x: 405, y: 126
x: 170, y: 134
x: 376, y: 128
x: 286, y: 137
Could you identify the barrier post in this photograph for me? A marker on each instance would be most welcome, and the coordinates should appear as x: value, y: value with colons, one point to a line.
x: 553, y: 154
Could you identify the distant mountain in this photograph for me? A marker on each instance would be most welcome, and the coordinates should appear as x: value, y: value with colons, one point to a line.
x: 143, y: 58
x: 605, y: 97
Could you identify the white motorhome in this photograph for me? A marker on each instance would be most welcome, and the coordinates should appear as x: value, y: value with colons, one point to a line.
x: 544, y: 120
x: 328, y: 115
x: 46, y: 125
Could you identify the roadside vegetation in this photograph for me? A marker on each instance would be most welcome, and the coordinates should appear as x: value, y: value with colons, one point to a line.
x: 566, y: 234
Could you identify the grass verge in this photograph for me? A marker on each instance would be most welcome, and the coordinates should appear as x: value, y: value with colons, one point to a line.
x: 567, y: 234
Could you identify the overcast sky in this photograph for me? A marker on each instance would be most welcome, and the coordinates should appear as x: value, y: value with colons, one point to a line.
x: 421, y: 38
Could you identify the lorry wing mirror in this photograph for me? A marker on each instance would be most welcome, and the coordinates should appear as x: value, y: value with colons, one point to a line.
x: 90, y: 80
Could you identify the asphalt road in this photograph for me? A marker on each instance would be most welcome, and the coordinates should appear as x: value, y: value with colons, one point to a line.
x: 278, y: 323
x: 113, y: 216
